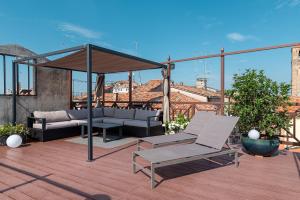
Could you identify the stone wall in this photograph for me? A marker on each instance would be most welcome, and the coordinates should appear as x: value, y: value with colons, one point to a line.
x: 295, y: 71
x: 52, y: 94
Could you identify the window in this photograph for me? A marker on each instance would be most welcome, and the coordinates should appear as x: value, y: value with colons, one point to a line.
x: 26, y: 77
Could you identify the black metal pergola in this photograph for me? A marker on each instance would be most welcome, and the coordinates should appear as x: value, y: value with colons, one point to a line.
x: 87, y: 58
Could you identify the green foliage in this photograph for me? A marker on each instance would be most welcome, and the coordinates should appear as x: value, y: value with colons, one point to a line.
x: 178, y: 124
x: 259, y: 102
x: 9, y: 129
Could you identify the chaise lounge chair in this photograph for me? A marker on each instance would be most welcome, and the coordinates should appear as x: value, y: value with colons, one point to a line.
x: 190, y: 134
x: 210, y: 143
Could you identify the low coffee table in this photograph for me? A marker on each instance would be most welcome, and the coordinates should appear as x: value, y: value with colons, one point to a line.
x: 104, y: 127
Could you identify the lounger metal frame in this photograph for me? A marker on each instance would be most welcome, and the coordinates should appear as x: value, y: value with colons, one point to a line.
x: 154, y: 165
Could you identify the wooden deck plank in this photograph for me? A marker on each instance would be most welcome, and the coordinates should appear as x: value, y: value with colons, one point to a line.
x: 61, y: 172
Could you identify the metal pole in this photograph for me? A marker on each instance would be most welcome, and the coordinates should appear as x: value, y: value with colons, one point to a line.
x: 222, y: 80
x: 71, y: 89
x: 169, y: 83
x: 28, y: 77
x: 103, y: 91
x: 89, y: 102
x: 14, y: 100
x: 235, y: 52
x: 4, y: 74
x: 130, y: 89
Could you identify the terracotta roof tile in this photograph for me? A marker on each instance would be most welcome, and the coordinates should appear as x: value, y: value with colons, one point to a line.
x: 199, y: 91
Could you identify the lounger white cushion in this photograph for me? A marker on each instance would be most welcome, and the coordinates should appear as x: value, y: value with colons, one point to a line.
x: 56, y: 125
x: 141, y: 123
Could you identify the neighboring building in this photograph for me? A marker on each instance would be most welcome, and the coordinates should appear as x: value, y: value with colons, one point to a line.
x: 152, y: 91
x: 123, y: 86
x: 296, y: 71
x: 201, y: 83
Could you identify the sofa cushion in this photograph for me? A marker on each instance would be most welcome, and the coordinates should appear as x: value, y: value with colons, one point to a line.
x: 52, y: 116
x: 143, y: 114
x: 113, y: 120
x: 108, y: 112
x: 78, y: 114
x: 98, y: 112
x: 124, y: 113
x: 57, y: 125
x: 141, y: 123
x: 84, y: 121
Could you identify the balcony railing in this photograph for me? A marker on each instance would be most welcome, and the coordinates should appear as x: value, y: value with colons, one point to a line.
x: 187, y: 109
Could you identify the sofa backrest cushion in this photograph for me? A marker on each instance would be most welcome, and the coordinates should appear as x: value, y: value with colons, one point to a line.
x: 52, y: 116
x: 78, y: 114
x: 108, y: 112
x: 144, y: 114
x: 98, y: 112
x: 124, y: 113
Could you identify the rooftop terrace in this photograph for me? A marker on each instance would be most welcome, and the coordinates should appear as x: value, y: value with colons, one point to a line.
x: 58, y: 170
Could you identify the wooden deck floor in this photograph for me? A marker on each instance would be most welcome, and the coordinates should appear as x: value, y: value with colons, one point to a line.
x: 58, y: 170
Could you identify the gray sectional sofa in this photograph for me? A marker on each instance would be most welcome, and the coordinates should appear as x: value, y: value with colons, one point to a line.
x: 50, y: 125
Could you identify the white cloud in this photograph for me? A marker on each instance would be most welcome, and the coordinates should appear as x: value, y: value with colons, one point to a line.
x: 79, y: 30
x: 284, y: 3
x: 238, y: 37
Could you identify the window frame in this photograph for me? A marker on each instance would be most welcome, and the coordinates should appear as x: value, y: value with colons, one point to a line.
x: 29, y: 76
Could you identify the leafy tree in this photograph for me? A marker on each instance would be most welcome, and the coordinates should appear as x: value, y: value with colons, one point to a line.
x: 259, y: 102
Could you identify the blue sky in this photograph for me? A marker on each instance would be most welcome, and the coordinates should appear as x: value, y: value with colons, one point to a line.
x: 158, y: 29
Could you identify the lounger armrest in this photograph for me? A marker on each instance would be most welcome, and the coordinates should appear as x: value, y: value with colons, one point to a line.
x: 31, y: 120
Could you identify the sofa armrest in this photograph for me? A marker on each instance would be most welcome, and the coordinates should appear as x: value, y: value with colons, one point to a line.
x: 31, y: 120
x: 149, y: 119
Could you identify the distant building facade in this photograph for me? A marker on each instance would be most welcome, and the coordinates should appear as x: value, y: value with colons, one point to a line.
x: 296, y: 71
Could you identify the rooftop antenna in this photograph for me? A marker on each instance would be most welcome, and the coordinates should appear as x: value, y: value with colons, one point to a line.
x: 136, y: 51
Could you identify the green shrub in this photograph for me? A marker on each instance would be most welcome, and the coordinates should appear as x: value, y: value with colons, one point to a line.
x: 176, y: 125
x: 259, y: 102
x: 9, y: 129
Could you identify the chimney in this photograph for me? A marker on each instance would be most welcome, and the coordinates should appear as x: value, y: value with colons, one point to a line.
x: 201, y: 83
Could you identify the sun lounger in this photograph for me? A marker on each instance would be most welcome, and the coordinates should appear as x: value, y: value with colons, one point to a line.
x: 201, y: 119
x: 210, y: 143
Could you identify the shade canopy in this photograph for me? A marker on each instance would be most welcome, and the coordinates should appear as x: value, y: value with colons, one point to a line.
x: 103, y: 61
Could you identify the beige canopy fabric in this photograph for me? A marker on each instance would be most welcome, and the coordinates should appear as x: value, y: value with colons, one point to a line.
x: 166, y: 106
x: 99, y: 89
x: 103, y: 61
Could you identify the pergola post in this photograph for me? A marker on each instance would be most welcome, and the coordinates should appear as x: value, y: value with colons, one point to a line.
x: 169, y: 83
x: 70, y: 75
x: 222, y: 81
x: 103, y: 91
x: 89, y: 65
x: 14, y: 94
x: 130, y: 89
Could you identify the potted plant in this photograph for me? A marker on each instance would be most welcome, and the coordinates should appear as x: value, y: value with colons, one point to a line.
x: 176, y: 125
x: 8, y: 129
x: 261, y: 104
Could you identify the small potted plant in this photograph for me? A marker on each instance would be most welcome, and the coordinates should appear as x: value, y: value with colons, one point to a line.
x: 7, y: 130
x: 176, y: 125
x: 261, y: 105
